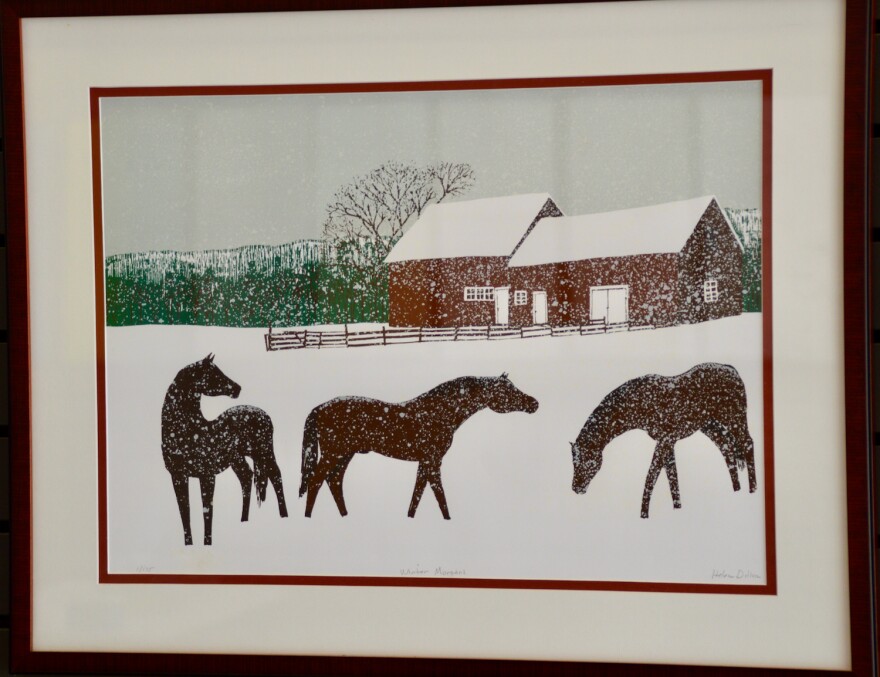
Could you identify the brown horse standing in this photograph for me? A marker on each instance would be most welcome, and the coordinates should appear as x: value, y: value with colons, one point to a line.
x: 419, y: 430
x: 193, y: 446
x: 710, y: 398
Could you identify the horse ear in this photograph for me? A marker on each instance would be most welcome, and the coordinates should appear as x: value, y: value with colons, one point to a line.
x: 210, y: 358
x: 504, y: 375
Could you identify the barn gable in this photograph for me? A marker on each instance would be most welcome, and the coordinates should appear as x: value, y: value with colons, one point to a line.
x: 445, y: 270
x: 656, y: 229
x: 678, y: 262
x: 487, y: 227
x: 710, y: 270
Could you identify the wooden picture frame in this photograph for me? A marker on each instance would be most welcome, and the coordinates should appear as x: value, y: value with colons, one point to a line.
x: 177, y: 657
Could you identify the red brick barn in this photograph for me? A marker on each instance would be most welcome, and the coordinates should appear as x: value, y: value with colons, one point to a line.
x: 450, y: 268
x: 661, y: 265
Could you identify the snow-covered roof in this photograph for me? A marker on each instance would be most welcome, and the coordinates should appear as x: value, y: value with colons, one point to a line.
x: 487, y: 227
x: 656, y: 229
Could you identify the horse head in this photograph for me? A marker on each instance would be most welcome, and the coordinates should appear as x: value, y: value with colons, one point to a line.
x: 586, y: 463
x: 505, y: 397
x: 207, y: 379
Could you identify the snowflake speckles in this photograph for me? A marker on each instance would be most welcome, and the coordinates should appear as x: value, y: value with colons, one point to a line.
x: 709, y: 398
x: 193, y: 446
x: 340, y: 428
x: 660, y: 256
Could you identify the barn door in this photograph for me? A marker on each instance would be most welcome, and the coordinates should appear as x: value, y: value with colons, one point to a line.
x: 539, y: 307
x: 609, y: 304
x: 502, y: 305
x: 618, y: 305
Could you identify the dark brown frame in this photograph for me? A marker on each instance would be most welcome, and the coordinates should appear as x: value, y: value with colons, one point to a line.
x: 856, y: 335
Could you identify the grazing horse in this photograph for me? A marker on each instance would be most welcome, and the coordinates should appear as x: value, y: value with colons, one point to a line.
x: 193, y: 446
x: 710, y: 398
x: 419, y: 430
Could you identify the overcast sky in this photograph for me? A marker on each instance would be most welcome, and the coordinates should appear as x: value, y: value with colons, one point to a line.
x: 212, y: 172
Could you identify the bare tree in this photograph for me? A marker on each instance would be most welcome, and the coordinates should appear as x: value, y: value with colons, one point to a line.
x: 454, y: 178
x: 369, y: 215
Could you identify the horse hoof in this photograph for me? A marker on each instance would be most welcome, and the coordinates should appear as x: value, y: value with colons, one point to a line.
x: 187, y: 541
x: 282, y: 512
x: 644, y: 514
x: 207, y: 540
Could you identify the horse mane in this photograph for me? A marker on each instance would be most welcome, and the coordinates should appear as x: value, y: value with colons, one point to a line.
x: 184, y: 373
x: 447, y: 387
x: 607, y: 420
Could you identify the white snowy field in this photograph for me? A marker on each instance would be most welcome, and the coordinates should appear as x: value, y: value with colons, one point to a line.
x: 507, y: 476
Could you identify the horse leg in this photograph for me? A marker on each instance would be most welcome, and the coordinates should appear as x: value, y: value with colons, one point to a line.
x: 745, y: 446
x: 335, y: 482
x: 181, y: 491
x: 722, y: 439
x: 672, y: 476
x: 321, y: 471
x: 657, y: 462
x: 750, y: 463
x: 275, y: 479
x: 744, y: 439
x: 421, y: 482
x: 246, y: 478
x: 437, y: 487
x: 207, y: 485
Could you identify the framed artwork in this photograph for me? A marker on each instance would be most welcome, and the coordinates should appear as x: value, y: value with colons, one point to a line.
x: 439, y: 338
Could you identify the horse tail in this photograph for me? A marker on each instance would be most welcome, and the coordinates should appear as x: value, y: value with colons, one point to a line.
x: 263, y: 456
x: 309, y: 450
x: 261, y: 480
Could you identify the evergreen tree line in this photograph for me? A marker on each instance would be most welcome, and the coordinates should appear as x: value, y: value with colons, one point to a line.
x: 319, y: 291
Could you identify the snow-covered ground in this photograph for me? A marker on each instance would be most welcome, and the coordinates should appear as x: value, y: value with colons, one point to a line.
x: 507, y: 476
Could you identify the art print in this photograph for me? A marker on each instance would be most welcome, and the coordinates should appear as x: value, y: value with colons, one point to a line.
x: 505, y: 334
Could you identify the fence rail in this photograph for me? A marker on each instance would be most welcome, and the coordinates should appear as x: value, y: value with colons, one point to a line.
x: 322, y: 338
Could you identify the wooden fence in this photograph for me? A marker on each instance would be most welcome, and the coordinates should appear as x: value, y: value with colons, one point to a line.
x: 322, y: 338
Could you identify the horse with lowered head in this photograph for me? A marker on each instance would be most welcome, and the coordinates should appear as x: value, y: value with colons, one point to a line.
x: 709, y: 398
x: 193, y: 446
x: 419, y: 430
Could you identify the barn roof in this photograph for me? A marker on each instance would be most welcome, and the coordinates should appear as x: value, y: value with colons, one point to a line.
x: 657, y: 229
x: 488, y: 227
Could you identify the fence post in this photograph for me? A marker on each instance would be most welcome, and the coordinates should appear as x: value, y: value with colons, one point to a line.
x: 346, y: 334
x: 306, y: 338
x: 383, y: 335
x: 420, y: 334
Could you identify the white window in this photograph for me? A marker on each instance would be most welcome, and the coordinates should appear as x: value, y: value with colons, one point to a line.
x: 479, y: 293
x: 520, y: 298
x: 710, y: 291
